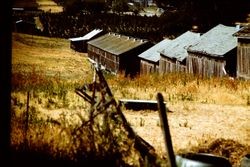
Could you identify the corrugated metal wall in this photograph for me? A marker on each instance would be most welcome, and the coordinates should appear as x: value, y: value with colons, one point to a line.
x: 243, y: 59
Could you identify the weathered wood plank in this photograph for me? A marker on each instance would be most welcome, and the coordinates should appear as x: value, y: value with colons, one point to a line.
x: 139, y: 104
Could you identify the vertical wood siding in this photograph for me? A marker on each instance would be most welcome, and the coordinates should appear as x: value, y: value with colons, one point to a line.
x: 127, y: 62
x: 148, y: 67
x: 108, y: 60
x: 205, y: 66
x: 168, y: 65
x: 243, y: 59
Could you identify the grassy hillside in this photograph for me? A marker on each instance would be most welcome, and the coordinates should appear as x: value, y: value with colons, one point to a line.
x: 45, y: 5
x: 49, y: 6
x: 209, y: 115
x: 51, y: 56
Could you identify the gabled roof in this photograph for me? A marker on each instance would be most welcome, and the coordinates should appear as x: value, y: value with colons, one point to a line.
x: 177, y: 47
x: 87, y: 36
x: 244, y: 32
x: 116, y: 43
x: 216, y: 42
x: 153, y: 54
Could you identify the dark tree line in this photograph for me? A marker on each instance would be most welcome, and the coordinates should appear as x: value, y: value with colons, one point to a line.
x: 94, y: 6
x: 179, y: 16
x: 207, y: 13
x: 203, y: 13
x: 66, y: 26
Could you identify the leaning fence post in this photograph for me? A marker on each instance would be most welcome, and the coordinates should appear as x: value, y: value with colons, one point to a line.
x: 26, y: 120
x: 165, y: 129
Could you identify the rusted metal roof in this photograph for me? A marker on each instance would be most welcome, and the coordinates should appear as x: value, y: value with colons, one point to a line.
x: 216, y: 42
x: 177, y: 47
x: 116, y: 43
x: 244, y: 32
x: 153, y: 54
x: 88, y: 36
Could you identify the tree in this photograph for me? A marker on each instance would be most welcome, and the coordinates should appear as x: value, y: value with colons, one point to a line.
x: 207, y: 13
x: 120, y: 6
x: 72, y: 6
x: 93, y: 6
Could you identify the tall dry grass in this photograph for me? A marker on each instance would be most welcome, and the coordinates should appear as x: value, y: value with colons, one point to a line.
x: 183, y: 87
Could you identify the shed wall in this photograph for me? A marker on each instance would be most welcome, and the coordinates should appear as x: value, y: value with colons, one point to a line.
x: 147, y: 67
x: 108, y: 60
x: 80, y: 46
x: 198, y: 64
x: 167, y: 65
x: 243, y: 58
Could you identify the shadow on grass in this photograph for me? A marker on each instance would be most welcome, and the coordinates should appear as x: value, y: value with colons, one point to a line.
x: 40, y: 159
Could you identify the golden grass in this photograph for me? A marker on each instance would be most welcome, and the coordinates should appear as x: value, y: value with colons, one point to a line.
x: 49, y: 6
x: 183, y: 87
x: 203, y: 109
x: 52, y: 57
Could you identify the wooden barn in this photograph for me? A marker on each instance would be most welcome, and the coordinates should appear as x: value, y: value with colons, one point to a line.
x: 149, y: 62
x: 173, y: 56
x: 80, y: 43
x: 243, y: 52
x: 118, y: 53
x: 214, y: 54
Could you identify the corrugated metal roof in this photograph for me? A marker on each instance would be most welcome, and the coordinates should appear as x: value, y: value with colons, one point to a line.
x: 87, y: 36
x: 177, y: 48
x: 216, y: 42
x: 116, y: 43
x: 244, y: 32
x: 153, y: 54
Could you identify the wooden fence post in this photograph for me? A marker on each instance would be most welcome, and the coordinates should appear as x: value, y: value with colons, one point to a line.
x: 166, y: 132
x: 26, y: 121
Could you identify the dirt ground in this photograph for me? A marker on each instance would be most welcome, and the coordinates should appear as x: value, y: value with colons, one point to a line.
x: 222, y: 130
x: 193, y: 126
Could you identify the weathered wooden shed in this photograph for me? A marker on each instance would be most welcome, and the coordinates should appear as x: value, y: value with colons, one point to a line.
x: 214, y: 54
x: 149, y: 59
x: 173, y: 56
x: 243, y: 52
x: 118, y: 53
x: 80, y: 43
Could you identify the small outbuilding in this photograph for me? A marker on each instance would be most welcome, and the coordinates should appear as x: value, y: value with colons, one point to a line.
x: 80, y: 43
x: 173, y: 56
x: 214, y: 54
x: 118, y: 53
x: 149, y: 62
x: 243, y: 52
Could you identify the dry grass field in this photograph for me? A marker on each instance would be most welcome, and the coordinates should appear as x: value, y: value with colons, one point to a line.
x: 49, y: 6
x: 44, y: 5
x: 208, y: 115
